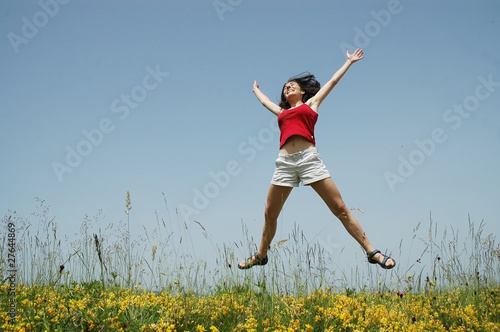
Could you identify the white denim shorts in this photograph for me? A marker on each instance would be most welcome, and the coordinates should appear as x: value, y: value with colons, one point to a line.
x: 304, y: 166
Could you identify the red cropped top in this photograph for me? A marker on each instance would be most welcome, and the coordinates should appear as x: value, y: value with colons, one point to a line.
x: 299, y: 120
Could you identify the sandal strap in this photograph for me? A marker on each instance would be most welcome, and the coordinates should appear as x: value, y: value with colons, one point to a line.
x: 373, y: 253
x: 262, y: 261
x: 385, y: 260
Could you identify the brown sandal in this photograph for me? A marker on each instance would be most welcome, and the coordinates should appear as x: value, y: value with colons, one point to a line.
x: 253, y: 260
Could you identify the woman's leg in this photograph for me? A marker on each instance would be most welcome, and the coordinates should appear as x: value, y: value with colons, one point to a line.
x: 276, y: 197
x: 329, y: 192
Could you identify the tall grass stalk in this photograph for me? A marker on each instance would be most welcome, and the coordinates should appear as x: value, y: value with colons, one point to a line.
x: 164, y: 258
x: 128, y: 207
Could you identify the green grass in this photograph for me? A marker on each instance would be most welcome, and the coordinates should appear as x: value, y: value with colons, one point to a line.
x: 454, y: 279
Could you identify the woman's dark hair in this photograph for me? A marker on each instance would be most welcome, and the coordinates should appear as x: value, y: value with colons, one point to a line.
x: 307, y: 83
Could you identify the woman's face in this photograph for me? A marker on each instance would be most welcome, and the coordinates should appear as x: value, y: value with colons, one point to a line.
x: 292, y: 89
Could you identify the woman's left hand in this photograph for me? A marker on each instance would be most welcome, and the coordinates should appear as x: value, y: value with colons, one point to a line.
x: 356, y: 56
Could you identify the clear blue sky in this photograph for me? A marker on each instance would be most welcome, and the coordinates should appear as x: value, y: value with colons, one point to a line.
x: 101, y: 97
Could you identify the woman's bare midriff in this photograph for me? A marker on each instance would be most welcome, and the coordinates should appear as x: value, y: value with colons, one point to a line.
x: 295, y: 144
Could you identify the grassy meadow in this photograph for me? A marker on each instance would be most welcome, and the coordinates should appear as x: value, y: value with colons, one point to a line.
x: 107, y: 280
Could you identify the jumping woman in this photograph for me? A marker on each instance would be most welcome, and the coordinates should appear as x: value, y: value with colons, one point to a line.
x: 299, y: 161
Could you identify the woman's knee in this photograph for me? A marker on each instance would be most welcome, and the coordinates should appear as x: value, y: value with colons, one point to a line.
x: 340, y: 210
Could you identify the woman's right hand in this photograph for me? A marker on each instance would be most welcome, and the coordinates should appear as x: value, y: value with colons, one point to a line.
x: 265, y: 100
x: 255, y: 85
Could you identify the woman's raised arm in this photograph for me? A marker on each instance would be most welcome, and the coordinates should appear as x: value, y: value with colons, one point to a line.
x: 273, y: 107
x: 315, y: 101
